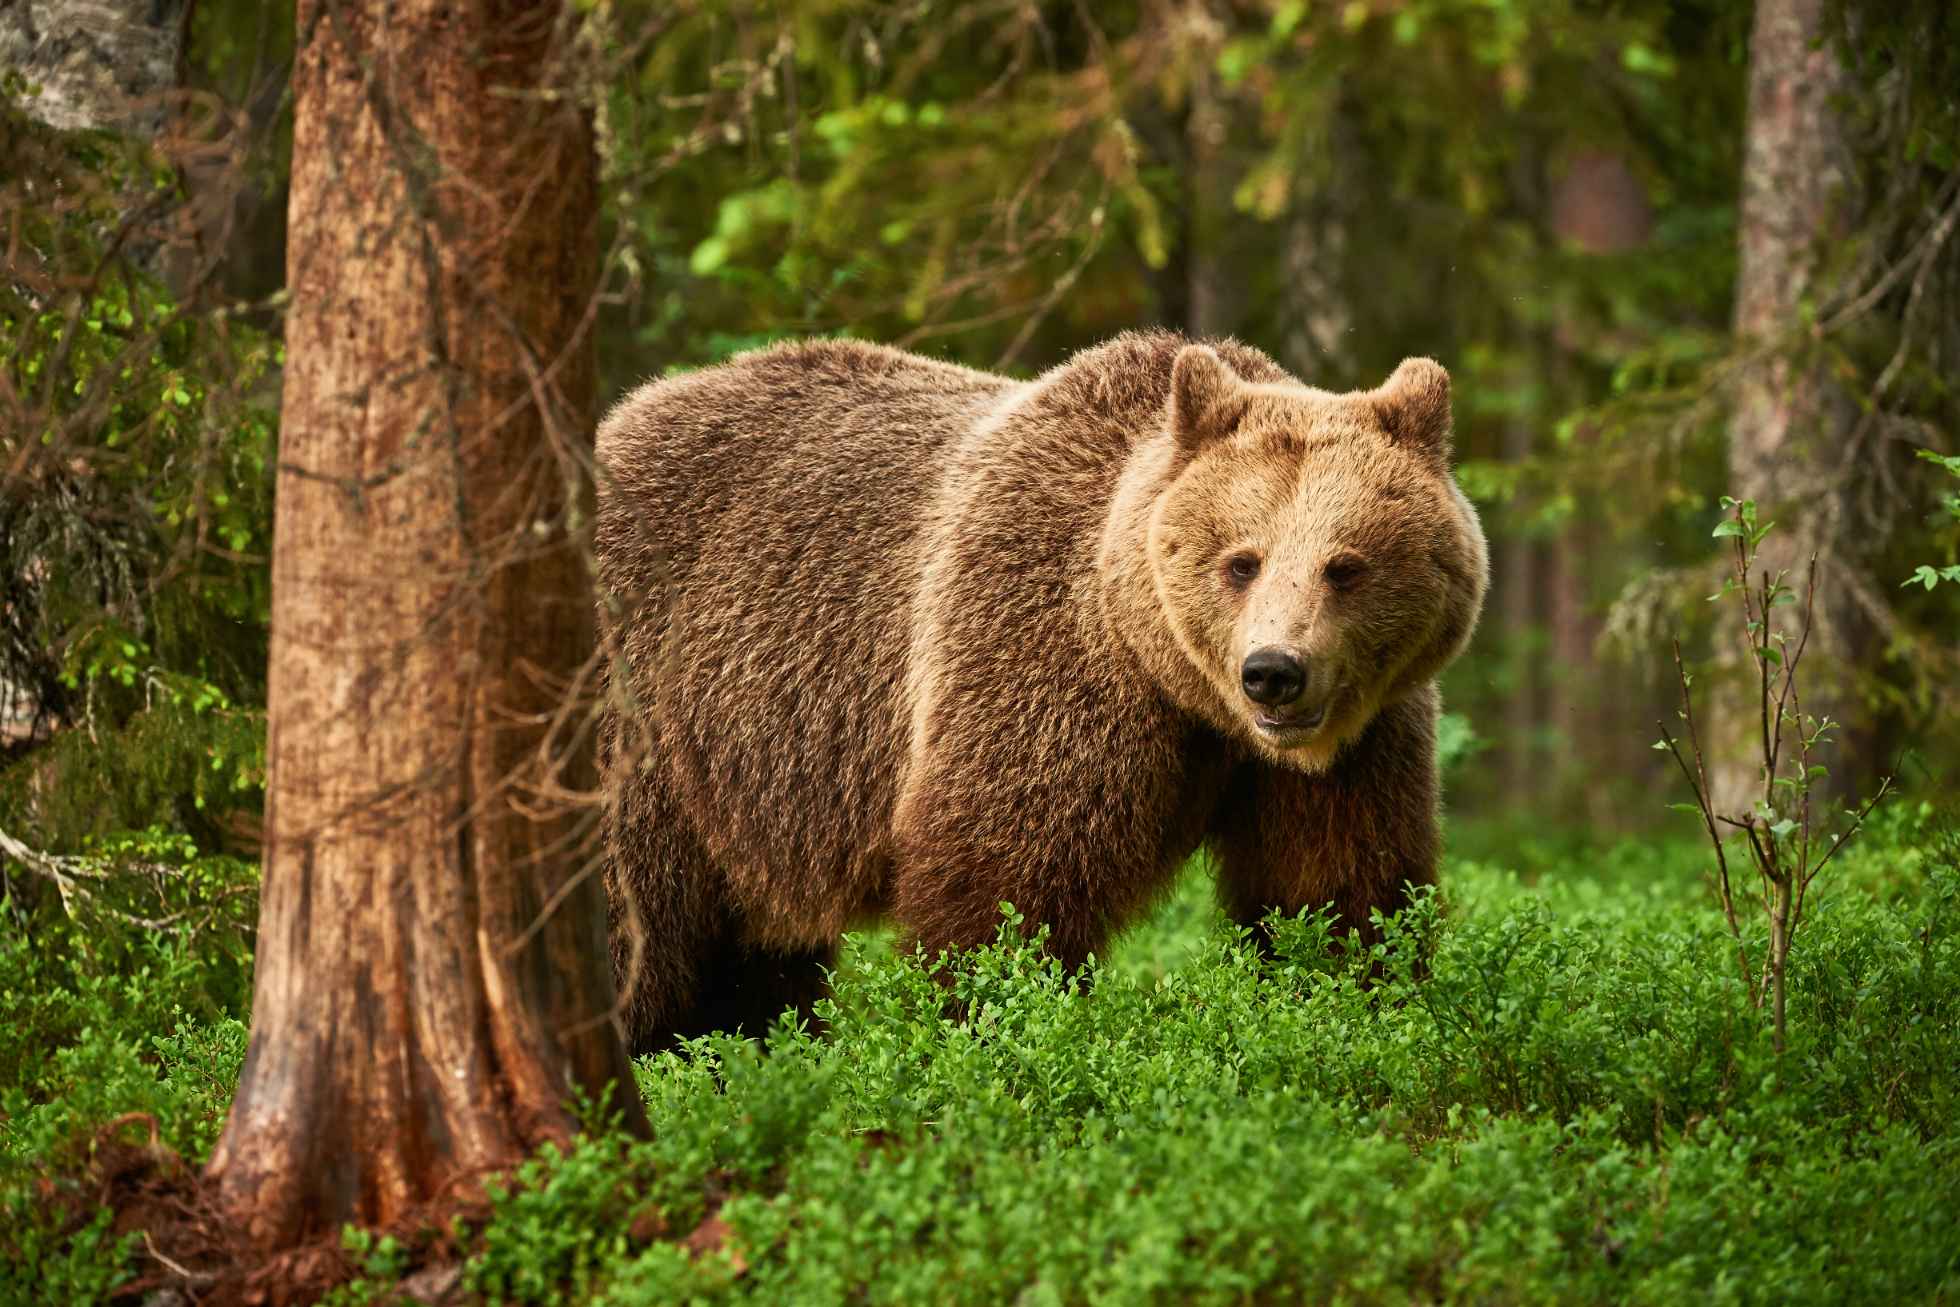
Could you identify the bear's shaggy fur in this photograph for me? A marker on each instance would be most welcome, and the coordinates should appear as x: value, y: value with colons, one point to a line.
x: 898, y: 636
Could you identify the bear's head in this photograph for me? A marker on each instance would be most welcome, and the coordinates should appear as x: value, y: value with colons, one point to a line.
x: 1308, y: 554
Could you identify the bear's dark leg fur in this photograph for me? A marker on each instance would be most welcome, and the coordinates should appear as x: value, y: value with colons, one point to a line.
x: 694, y: 981
x: 956, y: 907
x: 1356, y: 837
x: 1082, y: 867
x: 743, y: 991
x: 678, y: 955
x: 667, y: 921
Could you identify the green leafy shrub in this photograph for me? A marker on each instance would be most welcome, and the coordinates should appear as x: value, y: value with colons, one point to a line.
x: 135, y: 512
x: 1575, y: 1102
x: 1926, y: 575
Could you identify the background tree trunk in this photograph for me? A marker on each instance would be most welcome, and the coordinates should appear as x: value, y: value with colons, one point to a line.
x: 1213, y: 303
x: 432, y: 983
x: 1317, y: 342
x: 1790, y: 436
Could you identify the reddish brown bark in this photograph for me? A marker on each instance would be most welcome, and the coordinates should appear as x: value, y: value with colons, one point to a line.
x: 420, y: 1017
x: 1793, y: 178
x: 1789, y: 438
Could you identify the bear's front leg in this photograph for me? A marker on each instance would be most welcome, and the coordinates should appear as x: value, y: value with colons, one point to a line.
x: 949, y: 889
x: 1357, y: 836
x: 1078, y: 816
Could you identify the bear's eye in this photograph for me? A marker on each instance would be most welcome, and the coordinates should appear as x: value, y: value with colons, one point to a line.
x: 1345, y: 572
x: 1241, y: 568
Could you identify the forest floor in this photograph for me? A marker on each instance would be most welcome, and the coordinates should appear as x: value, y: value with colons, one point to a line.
x: 1577, y: 1103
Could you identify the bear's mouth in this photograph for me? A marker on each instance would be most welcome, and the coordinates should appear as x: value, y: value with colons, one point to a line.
x: 1291, y: 728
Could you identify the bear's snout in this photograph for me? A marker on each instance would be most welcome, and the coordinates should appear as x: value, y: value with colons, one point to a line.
x: 1273, y: 677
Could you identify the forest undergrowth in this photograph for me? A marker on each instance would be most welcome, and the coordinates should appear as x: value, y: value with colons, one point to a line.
x: 1571, y: 1099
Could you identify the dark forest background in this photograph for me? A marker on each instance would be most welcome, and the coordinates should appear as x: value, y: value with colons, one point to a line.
x: 1549, y: 197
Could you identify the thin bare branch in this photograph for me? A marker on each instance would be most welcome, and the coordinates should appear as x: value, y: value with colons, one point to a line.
x: 1698, y: 783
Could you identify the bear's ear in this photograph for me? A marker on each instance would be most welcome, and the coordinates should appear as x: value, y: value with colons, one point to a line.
x: 1202, y: 385
x: 1414, y: 406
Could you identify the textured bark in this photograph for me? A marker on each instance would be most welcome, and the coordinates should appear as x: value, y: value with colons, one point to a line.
x: 1788, y: 439
x: 1317, y: 344
x: 432, y: 981
x: 1213, y: 304
x: 97, y: 63
x: 1794, y: 176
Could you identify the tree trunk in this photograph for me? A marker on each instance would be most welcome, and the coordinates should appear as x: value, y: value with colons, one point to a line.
x: 1316, y: 342
x: 1790, y: 434
x: 1212, y: 301
x: 98, y: 63
x: 432, y: 985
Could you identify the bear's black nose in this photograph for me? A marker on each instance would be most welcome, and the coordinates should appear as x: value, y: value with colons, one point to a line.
x: 1272, y: 676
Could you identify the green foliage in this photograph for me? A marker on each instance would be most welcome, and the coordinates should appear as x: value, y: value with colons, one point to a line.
x: 151, y: 931
x: 103, y: 1021
x: 110, y: 1014
x: 381, y: 1260
x: 1787, y: 834
x: 943, y: 174
x: 51, y: 1115
x: 1926, y: 575
x: 1457, y: 742
x: 135, y: 513
x: 1575, y: 1104
x: 41, y: 1262
x: 1575, y: 1101
x: 109, y: 1001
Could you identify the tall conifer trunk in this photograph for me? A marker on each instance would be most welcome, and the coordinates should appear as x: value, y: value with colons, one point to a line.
x: 432, y: 985
x: 1790, y: 433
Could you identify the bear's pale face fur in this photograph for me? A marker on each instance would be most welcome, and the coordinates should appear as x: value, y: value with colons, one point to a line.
x: 1278, y: 516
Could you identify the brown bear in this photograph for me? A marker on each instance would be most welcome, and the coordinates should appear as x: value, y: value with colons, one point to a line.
x: 899, y: 636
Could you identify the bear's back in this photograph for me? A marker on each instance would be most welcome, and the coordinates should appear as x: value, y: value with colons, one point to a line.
x: 759, y: 523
